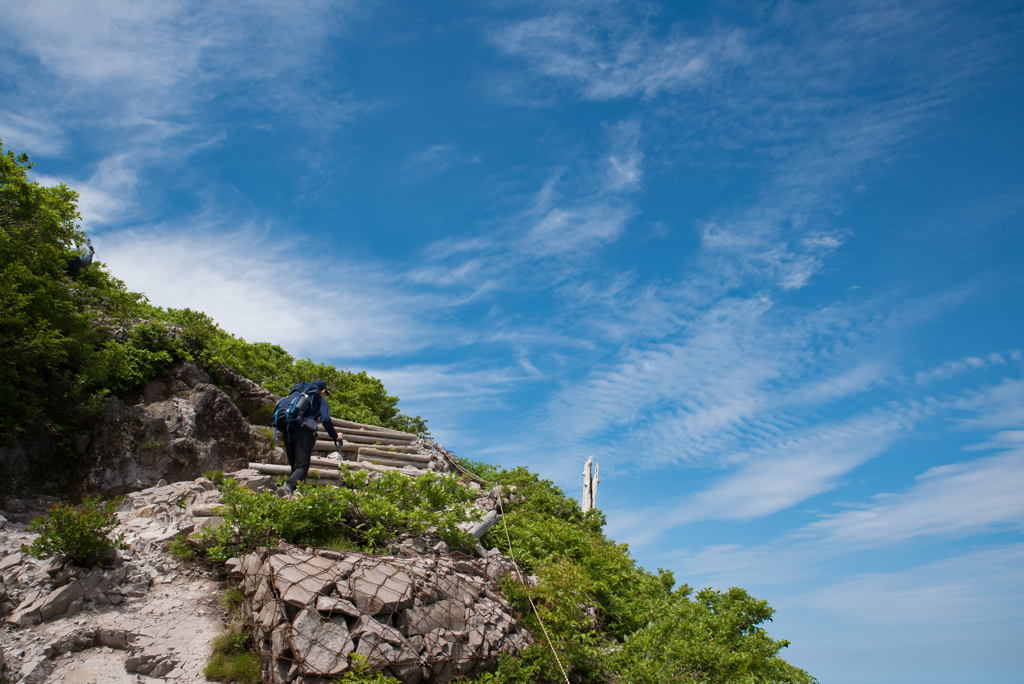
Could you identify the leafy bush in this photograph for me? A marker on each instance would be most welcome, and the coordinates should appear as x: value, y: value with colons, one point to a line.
x: 179, y: 548
x: 59, y: 355
x: 359, y: 674
x: 231, y: 659
x: 82, y: 533
x: 69, y: 343
x: 714, y: 639
x: 365, y: 513
x: 660, y: 633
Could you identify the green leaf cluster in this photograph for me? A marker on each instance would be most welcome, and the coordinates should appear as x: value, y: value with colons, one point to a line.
x: 364, y: 513
x: 354, y: 396
x: 64, y: 340
x: 83, y: 533
x: 647, y: 631
x: 71, y: 342
x: 232, y: 658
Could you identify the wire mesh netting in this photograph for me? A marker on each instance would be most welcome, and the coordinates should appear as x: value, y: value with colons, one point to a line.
x: 422, y: 619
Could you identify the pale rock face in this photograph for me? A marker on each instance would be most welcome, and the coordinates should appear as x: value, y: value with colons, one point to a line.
x: 179, y: 427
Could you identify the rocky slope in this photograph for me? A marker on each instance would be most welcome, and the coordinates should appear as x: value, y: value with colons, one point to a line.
x: 420, y: 615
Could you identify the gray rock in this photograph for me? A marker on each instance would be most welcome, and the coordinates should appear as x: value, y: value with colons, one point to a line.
x: 328, y: 605
x: 11, y: 560
x: 58, y: 601
x: 300, y: 578
x: 381, y: 589
x: 320, y: 648
x: 187, y: 426
x: 114, y: 638
x: 82, y: 440
x: 36, y: 670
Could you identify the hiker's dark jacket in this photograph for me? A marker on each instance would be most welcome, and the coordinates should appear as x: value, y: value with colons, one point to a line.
x: 318, y: 411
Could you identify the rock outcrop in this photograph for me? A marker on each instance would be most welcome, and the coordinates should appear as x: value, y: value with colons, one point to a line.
x: 421, y: 615
x: 175, y: 428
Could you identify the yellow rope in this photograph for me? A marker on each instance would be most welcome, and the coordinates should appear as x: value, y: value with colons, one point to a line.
x: 528, y: 597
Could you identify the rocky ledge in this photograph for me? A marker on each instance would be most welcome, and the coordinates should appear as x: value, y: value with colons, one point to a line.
x: 420, y: 615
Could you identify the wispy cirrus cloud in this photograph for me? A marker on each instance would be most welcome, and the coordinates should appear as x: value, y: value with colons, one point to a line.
x: 956, y: 500
x: 605, y: 53
x: 964, y: 499
x: 263, y: 290
x: 150, y: 82
x: 980, y: 586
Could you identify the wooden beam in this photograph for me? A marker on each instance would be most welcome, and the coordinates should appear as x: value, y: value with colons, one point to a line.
x: 378, y: 453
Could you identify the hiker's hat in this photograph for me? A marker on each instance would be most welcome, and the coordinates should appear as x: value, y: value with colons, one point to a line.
x: 321, y: 385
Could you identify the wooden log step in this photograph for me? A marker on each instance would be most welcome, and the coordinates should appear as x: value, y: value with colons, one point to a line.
x: 366, y: 439
x: 363, y: 427
x: 372, y: 439
x: 271, y: 469
x: 393, y: 463
x: 380, y: 453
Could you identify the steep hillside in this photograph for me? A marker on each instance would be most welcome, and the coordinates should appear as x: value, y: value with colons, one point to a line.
x: 375, y: 569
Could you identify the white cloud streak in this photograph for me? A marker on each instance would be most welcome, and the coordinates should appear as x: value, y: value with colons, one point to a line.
x: 261, y: 291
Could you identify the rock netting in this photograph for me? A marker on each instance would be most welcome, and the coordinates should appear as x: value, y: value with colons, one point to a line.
x: 422, y: 619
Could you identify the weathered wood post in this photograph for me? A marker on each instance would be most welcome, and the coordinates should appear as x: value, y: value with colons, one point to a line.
x: 587, y: 501
x: 593, y: 486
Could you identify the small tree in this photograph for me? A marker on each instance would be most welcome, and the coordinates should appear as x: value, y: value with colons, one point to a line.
x: 82, y: 533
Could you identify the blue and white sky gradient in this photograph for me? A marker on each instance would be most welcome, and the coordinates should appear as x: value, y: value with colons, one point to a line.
x: 763, y: 260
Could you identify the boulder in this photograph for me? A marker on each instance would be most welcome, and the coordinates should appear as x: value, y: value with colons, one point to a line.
x: 320, y: 648
x: 58, y: 601
x: 173, y: 429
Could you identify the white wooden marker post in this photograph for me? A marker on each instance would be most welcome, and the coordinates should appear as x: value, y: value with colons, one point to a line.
x: 589, y: 499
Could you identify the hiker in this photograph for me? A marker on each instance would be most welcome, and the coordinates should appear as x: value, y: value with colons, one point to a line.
x: 300, y: 435
x: 80, y: 260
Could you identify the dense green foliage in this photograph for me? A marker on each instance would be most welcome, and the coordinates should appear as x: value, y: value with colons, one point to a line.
x: 82, y: 533
x: 362, y: 513
x: 60, y: 355
x: 70, y: 342
x: 647, y: 631
x: 232, y: 658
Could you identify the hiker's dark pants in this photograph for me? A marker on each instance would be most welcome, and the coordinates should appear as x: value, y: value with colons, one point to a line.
x: 298, y: 445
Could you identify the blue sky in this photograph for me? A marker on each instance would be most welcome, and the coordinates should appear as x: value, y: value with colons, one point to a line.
x: 763, y: 260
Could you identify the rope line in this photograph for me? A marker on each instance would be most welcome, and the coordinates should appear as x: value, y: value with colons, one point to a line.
x: 528, y: 597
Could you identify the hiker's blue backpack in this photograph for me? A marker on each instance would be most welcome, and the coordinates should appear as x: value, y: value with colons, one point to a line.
x: 290, y: 410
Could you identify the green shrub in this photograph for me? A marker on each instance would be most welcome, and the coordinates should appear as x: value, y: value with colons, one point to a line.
x: 261, y: 416
x: 714, y: 639
x: 366, y: 513
x: 659, y: 633
x: 232, y: 600
x: 231, y: 660
x: 215, y: 476
x: 82, y: 533
x: 359, y: 674
x: 179, y: 548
